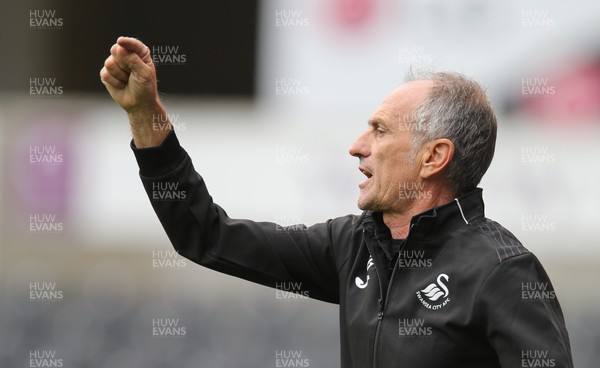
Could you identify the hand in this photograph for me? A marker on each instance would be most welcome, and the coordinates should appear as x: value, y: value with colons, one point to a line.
x: 129, y: 76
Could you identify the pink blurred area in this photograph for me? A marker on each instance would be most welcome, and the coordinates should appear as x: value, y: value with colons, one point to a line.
x: 575, y: 97
x: 41, y: 163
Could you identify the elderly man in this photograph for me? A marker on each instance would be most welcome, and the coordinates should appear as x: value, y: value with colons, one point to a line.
x: 422, y: 278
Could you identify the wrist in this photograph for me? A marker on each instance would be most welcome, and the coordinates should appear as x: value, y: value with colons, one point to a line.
x: 144, y: 113
x: 150, y: 125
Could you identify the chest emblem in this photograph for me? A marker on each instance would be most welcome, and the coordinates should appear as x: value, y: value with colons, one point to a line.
x: 435, y: 295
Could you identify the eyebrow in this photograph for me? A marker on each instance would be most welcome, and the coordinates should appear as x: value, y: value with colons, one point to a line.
x: 377, y: 121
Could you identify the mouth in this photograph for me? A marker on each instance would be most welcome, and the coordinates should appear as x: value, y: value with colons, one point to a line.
x: 367, y: 173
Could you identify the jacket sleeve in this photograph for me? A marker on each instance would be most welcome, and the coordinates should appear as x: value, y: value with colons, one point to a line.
x: 522, y: 317
x: 294, y: 258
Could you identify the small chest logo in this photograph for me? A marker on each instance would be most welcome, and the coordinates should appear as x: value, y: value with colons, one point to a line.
x: 435, y: 295
x: 358, y: 281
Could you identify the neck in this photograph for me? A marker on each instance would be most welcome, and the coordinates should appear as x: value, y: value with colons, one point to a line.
x: 399, y: 222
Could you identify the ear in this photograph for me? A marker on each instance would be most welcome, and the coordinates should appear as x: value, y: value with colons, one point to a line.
x: 436, y: 157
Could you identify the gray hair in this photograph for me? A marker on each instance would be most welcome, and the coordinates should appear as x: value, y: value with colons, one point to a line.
x: 457, y: 109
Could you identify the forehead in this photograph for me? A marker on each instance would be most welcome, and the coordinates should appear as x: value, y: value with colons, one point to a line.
x: 402, y: 101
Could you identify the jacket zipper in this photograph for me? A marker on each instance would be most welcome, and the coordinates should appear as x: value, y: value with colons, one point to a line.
x: 382, y: 304
x: 379, y: 317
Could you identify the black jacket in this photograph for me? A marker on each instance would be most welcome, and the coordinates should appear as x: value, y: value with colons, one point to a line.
x: 463, y: 291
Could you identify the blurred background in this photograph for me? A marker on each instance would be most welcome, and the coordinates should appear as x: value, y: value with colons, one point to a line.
x: 266, y: 96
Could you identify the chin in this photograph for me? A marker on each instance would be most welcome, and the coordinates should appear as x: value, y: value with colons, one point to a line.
x: 361, y: 204
x: 365, y: 204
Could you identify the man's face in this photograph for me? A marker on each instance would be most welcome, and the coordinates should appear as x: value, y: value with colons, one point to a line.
x: 384, y: 151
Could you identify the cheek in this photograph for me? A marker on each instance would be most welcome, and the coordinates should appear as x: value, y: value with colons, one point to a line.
x: 395, y: 174
x: 392, y: 167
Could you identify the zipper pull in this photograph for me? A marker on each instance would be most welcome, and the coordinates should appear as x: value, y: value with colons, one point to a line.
x: 380, y: 312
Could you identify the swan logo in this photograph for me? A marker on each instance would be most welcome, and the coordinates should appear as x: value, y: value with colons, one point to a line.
x: 358, y: 281
x: 435, y: 295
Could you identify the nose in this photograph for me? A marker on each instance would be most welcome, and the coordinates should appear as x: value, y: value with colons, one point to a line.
x: 361, y: 147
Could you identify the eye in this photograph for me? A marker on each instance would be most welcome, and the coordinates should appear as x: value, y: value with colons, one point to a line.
x: 377, y: 129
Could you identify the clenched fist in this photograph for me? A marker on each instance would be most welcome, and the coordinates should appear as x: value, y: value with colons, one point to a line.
x: 130, y: 78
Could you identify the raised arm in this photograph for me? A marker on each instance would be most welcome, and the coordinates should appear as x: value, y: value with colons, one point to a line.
x: 302, y: 259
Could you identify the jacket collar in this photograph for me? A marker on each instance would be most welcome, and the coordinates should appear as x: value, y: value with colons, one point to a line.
x: 438, y: 220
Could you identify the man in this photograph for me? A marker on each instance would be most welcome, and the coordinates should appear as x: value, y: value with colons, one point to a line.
x: 422, y: 278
